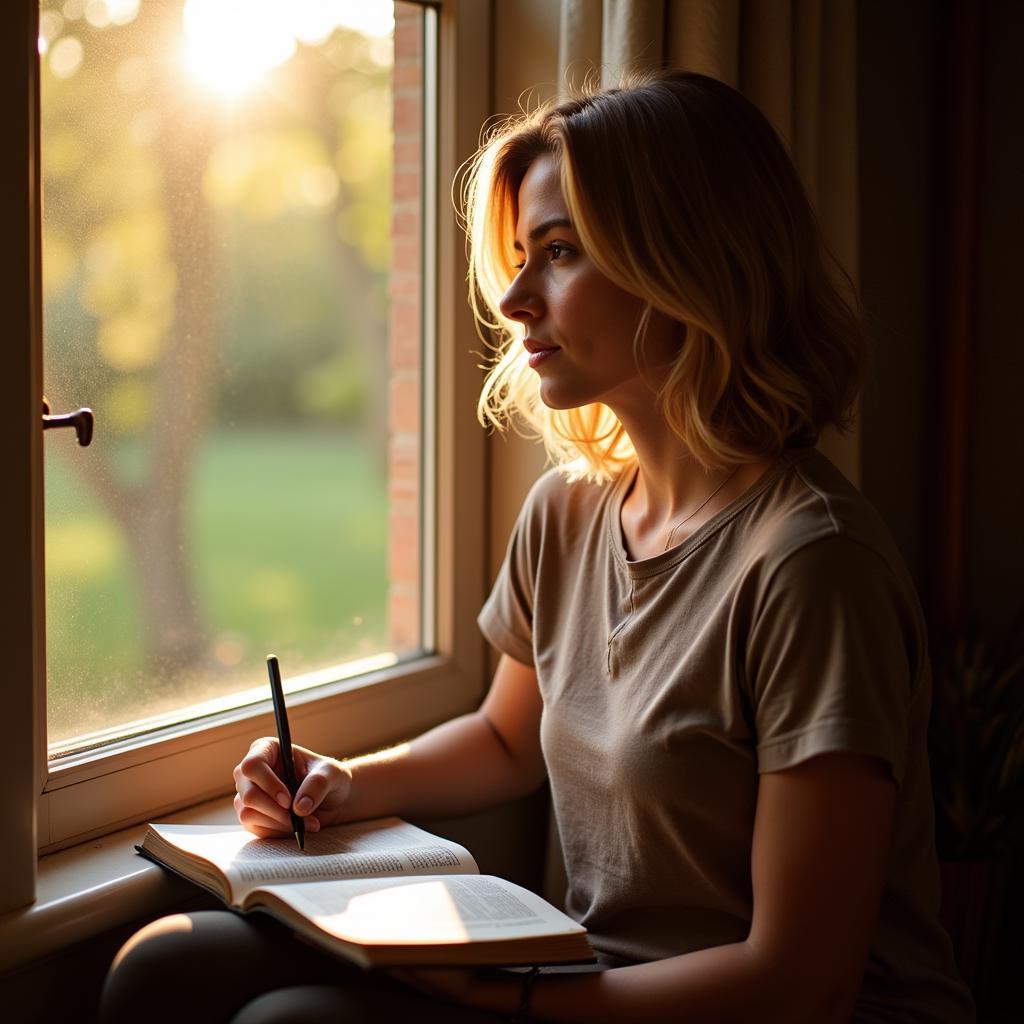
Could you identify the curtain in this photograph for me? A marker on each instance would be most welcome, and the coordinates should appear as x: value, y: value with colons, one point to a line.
x: 796, y: 59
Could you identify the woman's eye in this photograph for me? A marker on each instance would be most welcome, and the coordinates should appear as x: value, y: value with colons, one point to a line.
x: 554, y: 250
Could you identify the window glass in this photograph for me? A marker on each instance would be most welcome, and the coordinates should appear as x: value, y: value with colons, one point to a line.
x: 231, y: 278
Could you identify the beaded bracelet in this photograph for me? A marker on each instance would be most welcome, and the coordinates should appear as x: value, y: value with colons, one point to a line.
x: 522, y: 1014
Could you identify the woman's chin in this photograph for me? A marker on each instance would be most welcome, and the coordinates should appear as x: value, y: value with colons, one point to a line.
x: 557, y: 399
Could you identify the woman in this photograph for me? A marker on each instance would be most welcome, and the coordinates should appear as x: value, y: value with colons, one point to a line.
x: 710, y: 645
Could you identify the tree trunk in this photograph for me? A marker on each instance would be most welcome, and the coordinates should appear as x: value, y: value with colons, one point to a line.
x: 153, y: 515
x: 176, y: 630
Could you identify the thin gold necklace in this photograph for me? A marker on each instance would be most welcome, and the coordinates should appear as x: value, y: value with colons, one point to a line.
x: 690, y: 515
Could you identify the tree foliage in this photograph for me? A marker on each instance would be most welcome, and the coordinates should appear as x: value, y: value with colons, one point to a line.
x: 206, y: 264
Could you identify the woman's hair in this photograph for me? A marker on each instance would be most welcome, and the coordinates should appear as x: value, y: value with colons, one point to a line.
x: 681, y: 193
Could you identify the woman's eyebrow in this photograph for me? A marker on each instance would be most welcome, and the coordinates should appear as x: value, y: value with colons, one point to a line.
x: 542, y: 229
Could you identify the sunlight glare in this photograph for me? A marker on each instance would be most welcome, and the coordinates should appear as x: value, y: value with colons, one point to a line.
x: 65, y: 57
x: 231, y: 45
x: 314, y: 20
x: 101, y: 13
x: 51, y: 24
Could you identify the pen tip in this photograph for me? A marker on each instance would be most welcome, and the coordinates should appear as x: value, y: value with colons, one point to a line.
x: 301, y: 840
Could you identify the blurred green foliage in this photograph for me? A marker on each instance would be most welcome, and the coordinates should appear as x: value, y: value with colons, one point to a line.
x: 216, y: 269
x: 296, y: 184
x: 310, y: 590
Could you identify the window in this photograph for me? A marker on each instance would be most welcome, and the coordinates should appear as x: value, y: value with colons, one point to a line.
x: 231, y: 239
x: 121, y: 297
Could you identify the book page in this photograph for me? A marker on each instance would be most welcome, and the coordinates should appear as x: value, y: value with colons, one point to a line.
x: 422, y: 911
x: 378, y: 848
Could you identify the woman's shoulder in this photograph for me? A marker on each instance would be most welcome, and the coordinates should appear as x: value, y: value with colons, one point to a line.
x: 560, y: 492
x: 812, y: 504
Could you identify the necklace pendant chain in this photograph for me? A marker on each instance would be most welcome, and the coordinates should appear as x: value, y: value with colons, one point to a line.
x: 690, y: 515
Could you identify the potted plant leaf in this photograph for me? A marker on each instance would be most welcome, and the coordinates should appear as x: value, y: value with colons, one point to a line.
x: 976, y: 742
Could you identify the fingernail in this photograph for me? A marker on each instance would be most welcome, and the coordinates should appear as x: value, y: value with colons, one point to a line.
x: 284, y: 800
x: 304, y: 806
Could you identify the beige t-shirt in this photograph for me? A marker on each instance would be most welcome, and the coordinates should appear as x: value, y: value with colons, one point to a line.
x: 785, y: 627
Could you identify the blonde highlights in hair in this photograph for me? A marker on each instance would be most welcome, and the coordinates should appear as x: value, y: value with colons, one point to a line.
x: 682, y: 194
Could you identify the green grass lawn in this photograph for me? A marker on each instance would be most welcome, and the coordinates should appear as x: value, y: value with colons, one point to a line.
x: 288, y: 540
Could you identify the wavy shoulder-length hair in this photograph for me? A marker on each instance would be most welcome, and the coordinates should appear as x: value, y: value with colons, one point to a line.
x: 682, y: 194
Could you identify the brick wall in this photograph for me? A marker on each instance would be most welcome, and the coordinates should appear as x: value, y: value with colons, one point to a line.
x: 404, y: 334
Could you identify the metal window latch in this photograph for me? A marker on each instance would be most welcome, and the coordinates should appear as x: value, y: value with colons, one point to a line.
x: 81, y: 420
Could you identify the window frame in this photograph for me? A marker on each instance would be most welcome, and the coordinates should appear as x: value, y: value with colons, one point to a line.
x: 98, y: 792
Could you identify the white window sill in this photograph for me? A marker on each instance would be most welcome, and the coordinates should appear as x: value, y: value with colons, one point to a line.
x: 90, y: 888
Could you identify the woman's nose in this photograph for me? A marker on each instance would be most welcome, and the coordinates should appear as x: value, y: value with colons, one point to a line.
x: 520, y: 302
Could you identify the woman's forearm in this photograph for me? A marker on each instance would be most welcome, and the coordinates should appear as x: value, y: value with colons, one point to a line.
x: 459, y: 767
x: 731, y: 984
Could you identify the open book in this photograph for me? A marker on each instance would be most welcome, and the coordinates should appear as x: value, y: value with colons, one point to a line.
x: 381, y: 893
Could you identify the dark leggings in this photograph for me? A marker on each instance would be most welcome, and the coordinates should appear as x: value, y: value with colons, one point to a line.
x: 217, y: 967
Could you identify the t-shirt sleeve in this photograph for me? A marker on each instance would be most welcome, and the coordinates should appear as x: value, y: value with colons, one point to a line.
x: 833, y: 658
x: 506, y: 619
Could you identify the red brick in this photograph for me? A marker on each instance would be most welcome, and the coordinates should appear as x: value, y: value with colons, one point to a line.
x: 407, y: 12
x: 408, y: 37
x: 403, y: 545
x: 403, y: 621
x: 404, y: 349
x: 404, y: 469
x: 405, y: 314
x: 406, y: 184
x: 405, y: 255
x: 407, y: 74
x: 408, y: 154
x: 404, y: 402
x: 407, y: 114
x: 404, y: 352
x: 404, y: 331
x: 405, y: 221
x: 404, y: 286
x: 405, y: 214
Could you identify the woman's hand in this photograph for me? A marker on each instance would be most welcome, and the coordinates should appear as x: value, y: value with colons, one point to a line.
x: 262, y: 801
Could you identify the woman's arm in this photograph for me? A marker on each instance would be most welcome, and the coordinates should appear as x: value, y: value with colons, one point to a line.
x: 466, y: 765
x: 471, y: 763
x: 821, y: 844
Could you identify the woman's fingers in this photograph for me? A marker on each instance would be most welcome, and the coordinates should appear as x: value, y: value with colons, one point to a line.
x: 261, y: 798
x: 256, y: 821
x: 257, y: 767
x: 325, y: 781
x: 266, y: 826
x: 252, y: 797
x: 263, y: 802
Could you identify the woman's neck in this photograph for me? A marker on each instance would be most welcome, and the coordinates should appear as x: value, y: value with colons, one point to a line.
x: 673, y: 495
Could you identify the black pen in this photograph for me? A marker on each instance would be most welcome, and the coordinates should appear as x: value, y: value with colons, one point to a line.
x: 284, y: 737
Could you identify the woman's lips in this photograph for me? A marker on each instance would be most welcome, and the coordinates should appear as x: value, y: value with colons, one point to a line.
x: 538, y: 352
x: 538, y: 357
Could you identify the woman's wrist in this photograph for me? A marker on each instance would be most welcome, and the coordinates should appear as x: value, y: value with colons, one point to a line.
x: 362, y: 799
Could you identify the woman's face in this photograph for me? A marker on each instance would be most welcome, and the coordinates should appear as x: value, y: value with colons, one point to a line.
x: 579, y: 325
